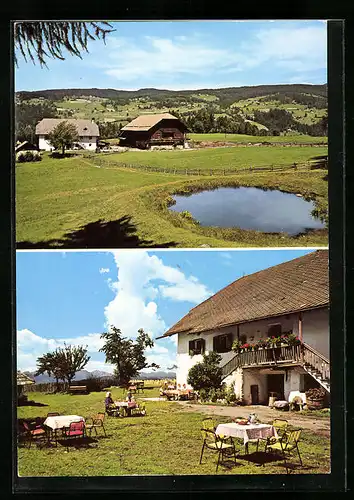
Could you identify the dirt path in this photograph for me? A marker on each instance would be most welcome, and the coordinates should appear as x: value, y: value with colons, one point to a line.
x: 265, y: 414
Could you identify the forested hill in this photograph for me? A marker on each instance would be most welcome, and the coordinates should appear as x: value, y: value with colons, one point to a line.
x: 230, y: 94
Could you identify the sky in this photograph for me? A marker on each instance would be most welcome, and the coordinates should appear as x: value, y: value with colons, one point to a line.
x: 73, y: 296
x: 179, y: 55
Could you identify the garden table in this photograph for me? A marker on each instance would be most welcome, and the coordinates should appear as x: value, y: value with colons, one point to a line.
x: 247, y: 432
x: 61, y: 422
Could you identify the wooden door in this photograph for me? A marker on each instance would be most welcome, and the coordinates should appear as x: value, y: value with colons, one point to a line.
x: 254, y: 394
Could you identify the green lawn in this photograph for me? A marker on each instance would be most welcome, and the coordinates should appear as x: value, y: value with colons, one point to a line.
x: 217, y: 159
x: 242, y: 138
x: 166, y: 441
x: 58, y: 197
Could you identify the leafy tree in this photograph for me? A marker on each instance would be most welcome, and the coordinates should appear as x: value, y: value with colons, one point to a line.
x: 28, y: 114
x: 127, y: 355
x: 71, y: 359
x: 49, y: 364
x: 40, y: 40
x: 63, y: 136
x: 63, y: 363
x: 206, y: 374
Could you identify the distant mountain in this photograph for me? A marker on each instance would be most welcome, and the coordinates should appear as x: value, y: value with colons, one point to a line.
x: 84, y: 375
x: 157, y: 375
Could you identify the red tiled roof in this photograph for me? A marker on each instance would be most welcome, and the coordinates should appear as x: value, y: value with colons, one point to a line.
x: 292, y: 286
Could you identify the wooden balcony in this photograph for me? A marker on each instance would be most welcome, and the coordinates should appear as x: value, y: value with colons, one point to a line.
x: 284, y: 356
x: 302, y: 354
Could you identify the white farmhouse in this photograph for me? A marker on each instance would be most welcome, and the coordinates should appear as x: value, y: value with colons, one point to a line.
x: 88, y: 132
x: 290, y: 297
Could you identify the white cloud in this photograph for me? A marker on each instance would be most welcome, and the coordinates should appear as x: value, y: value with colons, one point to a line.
x: 142, y: 279
x: 30, y: 346
x: 166, y: 62
x: 104, y: 270
x: 136, y: 290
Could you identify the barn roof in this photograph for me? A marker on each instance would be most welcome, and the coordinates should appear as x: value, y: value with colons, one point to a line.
x: 84, y: 127
x: 23, y: 379
x: 293, y: 286
x: 145, y: 122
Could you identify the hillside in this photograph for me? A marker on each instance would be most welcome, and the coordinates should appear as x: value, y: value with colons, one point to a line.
x: 258, y: 110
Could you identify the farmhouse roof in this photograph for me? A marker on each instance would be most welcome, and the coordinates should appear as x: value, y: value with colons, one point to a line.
x: 293, y: 286
x: 23, y: 379
x: 145, y: 122
x: 84, y: 127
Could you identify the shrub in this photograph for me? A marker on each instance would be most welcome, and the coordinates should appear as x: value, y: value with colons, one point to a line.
x: 25, y: 156
x: 207, y: 374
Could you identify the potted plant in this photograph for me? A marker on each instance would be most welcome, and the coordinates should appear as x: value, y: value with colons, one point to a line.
x: 315, y: 398
x: 293, y: 339
x: 236, y: 346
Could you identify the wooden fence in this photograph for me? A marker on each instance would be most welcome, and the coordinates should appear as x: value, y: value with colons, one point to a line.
x: 103, y: 163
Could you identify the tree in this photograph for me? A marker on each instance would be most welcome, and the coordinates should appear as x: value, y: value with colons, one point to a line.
x: 207, y: 374
x: 28, y: 114
x: 71, y: 359
x: 41, y: 40
x: 127, y: 355
x: 63, y: 136
x: 49, y: 364
x: 63, y: 363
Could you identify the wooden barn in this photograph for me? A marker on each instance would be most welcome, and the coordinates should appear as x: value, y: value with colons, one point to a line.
x: 149, y: 130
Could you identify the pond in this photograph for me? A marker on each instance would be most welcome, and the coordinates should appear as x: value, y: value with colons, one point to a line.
x: 269, y: 211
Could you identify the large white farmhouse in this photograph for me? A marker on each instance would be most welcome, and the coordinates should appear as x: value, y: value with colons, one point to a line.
x: 88, y: 132
x: 290, y: 297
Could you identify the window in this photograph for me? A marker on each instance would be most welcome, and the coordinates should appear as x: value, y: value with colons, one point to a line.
x: 274, y: 330
x: 167, y: 134
x: 90, y: 137
x: 222, y: 343
x: 196, y: 346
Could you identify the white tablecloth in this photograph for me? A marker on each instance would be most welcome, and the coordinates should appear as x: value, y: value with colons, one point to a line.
x: 61, y: 421
x: 247, y: 432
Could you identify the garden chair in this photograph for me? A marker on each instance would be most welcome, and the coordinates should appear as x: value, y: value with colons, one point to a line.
x: 281, y: 426
x: 76, y: 430
x: 209, y: 423
x: 286, y: 444
x: 97, y: 423
x: 218, y: 444
x: 31, y: 434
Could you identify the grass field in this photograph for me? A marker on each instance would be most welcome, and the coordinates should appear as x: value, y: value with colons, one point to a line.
x: 218, y: 159
x: 300, y: 112
x: 242, y: 138
x: 166, y: 441
x: 70, y: 202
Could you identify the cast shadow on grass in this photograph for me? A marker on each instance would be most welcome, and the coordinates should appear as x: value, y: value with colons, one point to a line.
x: 261, y: 458
x: 120, y: 233
x: 78, y: 443
x: 30, y: 403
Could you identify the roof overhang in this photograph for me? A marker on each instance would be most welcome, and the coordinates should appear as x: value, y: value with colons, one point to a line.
x: 259, y: 318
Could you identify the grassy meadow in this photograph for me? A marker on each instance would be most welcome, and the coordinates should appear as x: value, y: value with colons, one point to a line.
x: 246, y: 139
x: 217, y: 159
x: 166, y: 441
x: 74, y: 202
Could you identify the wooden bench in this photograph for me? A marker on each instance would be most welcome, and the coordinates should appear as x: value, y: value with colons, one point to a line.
x: 77, y: 389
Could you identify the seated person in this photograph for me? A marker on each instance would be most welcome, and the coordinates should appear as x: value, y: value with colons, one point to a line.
x: 109, y: 403
x: 129, y: 396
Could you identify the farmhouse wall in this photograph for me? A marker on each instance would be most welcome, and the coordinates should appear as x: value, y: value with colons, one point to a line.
x: 315, y: 333
x: 86, y: 142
